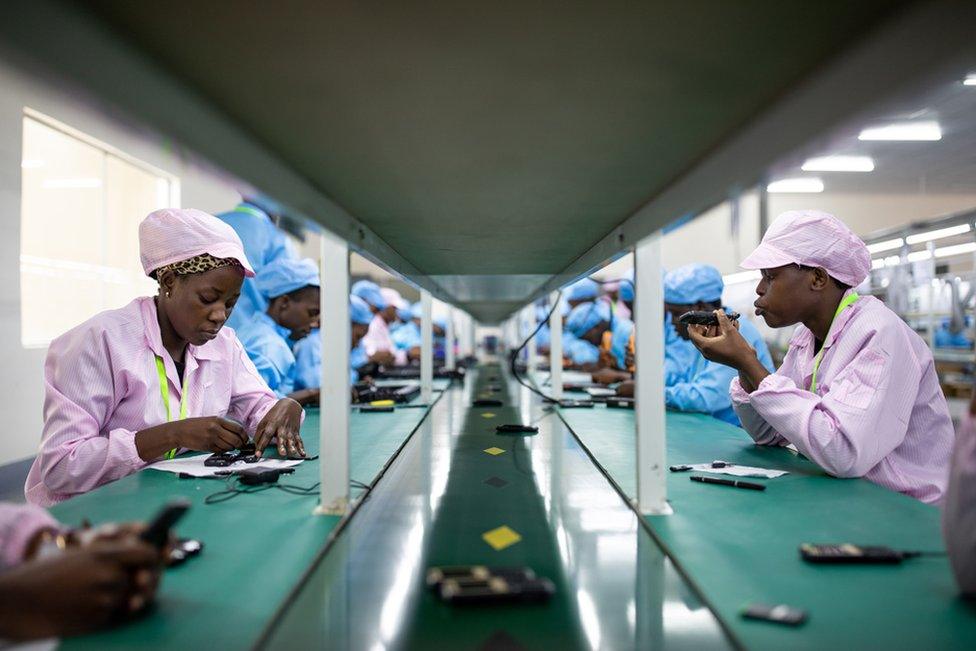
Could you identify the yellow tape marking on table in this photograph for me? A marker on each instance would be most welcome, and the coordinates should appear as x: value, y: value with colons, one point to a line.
x: 501, y: 537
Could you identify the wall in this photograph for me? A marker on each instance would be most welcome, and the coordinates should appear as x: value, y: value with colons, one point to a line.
x: 21, y: 374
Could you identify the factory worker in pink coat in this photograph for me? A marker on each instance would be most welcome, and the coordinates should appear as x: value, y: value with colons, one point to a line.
x: 857, y: 392
x: 159, y: 376
x: 56, y: 581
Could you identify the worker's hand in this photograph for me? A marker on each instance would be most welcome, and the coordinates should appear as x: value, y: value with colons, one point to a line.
x: 722, y: 343
x: 383, y: 358
x: 414, y: 353
x: 609, y: 376
x: 282, y: 421
x: 626, y: 389
x: 209, y: 434
x: 81, y: 590
x: 306, y: 397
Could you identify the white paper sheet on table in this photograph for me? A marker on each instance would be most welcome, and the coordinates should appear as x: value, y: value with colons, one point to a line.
x: 739, y: 471
x: 194, y: 465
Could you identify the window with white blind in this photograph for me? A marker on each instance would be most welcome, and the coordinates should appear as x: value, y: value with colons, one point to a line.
x: 81, y: 205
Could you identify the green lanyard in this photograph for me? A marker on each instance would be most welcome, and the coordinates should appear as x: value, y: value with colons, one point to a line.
x: 847, y: 302
x: 164, y: 391
x: 251, y: 211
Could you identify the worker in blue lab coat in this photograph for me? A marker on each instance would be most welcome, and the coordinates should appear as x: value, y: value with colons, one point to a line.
x: 703, y: 386
x: 291, y: 289
x: 263, y: 244
x: 308, y: 351
x: 594, y: 326
x: 582, y: 291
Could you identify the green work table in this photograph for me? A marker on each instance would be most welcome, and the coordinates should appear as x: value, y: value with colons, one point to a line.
x: 740, y: 546
x: 442, y: 502
x: 257, y: 545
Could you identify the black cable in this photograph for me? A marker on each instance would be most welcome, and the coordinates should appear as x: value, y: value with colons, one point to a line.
x: 515, y: 353
x: 232, y: 490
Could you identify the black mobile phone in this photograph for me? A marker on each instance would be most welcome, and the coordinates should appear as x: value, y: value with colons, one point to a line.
x: 700, y: 317
x: 780, y: 614
x: 487, y: 402
x: 846, y: 553
x: 516, y: 429
x: 496, y: 590
x: 157, y: 533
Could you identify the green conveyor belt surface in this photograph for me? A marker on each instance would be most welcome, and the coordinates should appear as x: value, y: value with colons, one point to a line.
x: 469, y: 508
x: 256, y: 546
x: 740, y: 546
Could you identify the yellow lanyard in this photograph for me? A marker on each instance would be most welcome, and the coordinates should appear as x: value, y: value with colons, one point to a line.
x: 164, y: 391
x: 844, y: 304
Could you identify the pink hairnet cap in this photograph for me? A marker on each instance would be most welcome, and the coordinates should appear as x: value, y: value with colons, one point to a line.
x: 173, y: 235
x: 813, y: 239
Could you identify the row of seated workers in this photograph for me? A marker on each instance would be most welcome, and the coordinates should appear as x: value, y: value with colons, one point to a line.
x: 857, y: 391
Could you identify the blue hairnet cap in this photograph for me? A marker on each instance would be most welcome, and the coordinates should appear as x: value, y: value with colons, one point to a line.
x: 416, y: 311
x: 404, y: 313
x: 583, y: 290
x: 441, y: 323
x: 369, y: 292
x: 693, y: 283
x: 359, y: 311
x: 286, y: 275
x: 626, y: 291
x: 587, y: 315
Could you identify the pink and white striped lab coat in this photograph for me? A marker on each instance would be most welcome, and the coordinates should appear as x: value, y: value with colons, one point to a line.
x: 19, y: 523
x: 378, y: 338
x: 878, y: 411
x: 102, y: 386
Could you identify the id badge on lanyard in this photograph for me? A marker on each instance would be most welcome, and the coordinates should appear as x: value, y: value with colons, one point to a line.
x: 844, y: 304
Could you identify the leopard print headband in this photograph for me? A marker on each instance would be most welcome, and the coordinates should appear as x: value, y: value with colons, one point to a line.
x: 195, y: 265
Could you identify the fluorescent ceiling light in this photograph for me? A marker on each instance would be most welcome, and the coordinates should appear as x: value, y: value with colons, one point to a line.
x: 918, y: 256
x: 741, y: 277
x: 877, y: 263
x: 937, y: 234
x: 970, y: 80
x: 887, y: 245
x: 62, y: 184
x: 892, y: 261
x: 919, y: 130
x: 808, y: 184
x: 839, y: 164
x: 957, y: 249
x: 31, y: 163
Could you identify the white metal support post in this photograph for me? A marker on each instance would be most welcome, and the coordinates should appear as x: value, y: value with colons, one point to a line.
x: 449, y: 363
x: 528, y: 326
x: 649, y: 390
x: 555, y: 349
x: 334, y: 391
x: 426, y: 347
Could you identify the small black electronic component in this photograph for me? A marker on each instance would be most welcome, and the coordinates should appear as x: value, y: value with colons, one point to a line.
x: 221, y: 460
x: 256, y: 476
x: 516, y: 429
x: 720, y: 464
x: 701, y: 317
x: 183, y: 549
x: 779, y: 614
x: 576, y: 404
x: 486, y: 402
x: 474, y: 584
x: 437, y: 575
x: 681, y: 468
x: 496, y: 590
x: 157, y: 533
x: 620, y: 403
x: 848, y: 554
x: 376, y: 409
